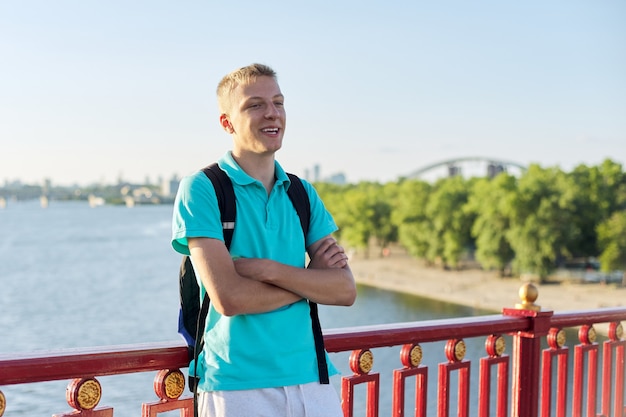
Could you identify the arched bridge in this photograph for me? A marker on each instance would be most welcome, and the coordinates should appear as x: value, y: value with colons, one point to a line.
x: 491, y: 166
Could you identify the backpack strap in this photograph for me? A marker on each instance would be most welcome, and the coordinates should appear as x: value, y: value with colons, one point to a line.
x: 228, y: 212
x: 225, y: 199
x: 300, y: 200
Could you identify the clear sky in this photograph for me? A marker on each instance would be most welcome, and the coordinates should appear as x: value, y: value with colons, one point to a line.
x: 98, y: 90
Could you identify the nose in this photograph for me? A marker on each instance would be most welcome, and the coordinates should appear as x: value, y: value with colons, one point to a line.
x: 272, y: 111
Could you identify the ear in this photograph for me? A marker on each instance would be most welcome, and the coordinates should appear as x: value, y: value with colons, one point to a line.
x: 225, y: 122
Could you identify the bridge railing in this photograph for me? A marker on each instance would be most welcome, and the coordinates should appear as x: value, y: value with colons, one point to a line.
x: 539, y: 377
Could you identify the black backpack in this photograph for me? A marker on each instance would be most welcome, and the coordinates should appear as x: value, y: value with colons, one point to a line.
x: 192, y: 315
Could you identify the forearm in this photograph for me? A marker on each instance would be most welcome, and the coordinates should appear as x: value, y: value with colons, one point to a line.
x: 230, y: 293
x: 331, y: 286
x: 252, y: 297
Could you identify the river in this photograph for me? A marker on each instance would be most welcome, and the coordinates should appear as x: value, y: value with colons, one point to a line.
x: 75, y: 276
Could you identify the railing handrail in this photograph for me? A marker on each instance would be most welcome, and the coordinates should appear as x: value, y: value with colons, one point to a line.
x: 72, y: 363
x: 572, y: 318
x: 123, y: 359
x: 368, y: 337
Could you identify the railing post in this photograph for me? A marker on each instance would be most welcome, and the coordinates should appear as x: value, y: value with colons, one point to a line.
x: 527, y: 353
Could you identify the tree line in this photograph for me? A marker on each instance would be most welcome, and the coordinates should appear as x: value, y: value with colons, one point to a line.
x: 526, y: 224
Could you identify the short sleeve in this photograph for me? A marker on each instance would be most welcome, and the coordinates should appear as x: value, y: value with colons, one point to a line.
x: 195, y: 213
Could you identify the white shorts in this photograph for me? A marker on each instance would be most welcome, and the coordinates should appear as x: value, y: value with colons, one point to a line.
x: 307, y: 400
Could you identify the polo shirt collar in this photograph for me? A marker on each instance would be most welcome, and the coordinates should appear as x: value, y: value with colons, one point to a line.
x: 239, y: 176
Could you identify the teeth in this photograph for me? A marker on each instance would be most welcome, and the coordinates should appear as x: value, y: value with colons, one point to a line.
x: 273, y: 130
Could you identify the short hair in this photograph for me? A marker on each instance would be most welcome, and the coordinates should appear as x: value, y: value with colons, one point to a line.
x: 242, y: 76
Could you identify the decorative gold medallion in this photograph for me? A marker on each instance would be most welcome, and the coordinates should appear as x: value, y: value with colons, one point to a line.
x: 616, y: 331
x: 84, y: 393
x: 174, y: 384
x: 455, y: 350
x: 411, y: 355
x: 366, y: 361
x: 3, y: 403
x: 495, y: 345
x: 587, y: 334
x: 169, y: 384
x: 561, y: 338
x: 416, y: 355
x: 459, y: 350
x: 361, y: 361
x: 500, y: 346
x: 592, y: 335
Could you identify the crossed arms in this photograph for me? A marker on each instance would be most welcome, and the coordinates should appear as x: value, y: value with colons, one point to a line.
x: 252, y: 285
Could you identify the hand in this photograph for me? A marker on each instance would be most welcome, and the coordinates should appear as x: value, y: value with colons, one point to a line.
x: 329, y: 255
x: 251, y: 268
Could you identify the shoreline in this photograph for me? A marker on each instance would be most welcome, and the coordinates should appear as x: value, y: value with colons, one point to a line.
x: 479, y: 289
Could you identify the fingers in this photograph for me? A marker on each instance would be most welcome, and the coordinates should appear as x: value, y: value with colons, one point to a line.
x: 335, y: 256
x: 329, y: 254
x: 326, y: 245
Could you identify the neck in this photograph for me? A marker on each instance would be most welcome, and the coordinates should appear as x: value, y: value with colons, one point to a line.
x: 259, y: 167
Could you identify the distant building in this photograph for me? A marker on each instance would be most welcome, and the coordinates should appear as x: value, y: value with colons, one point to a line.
x: 454, y: 170
x: 338, y: 178
x: 316, y: 176
x: 169, y: 188
x: 494, y: 169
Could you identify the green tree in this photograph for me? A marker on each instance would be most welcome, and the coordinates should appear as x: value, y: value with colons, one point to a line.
x: 409, y: 216
x: 541, y: 215
x: 612, y: 239
x: 365, y: 214
x: 386, y: 230
x: 333, y: 197
x: 597, y: 192
x: 449, y: 235
x: 489, y: 201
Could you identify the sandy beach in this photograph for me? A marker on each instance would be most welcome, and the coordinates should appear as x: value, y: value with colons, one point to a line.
x: 399, y: 272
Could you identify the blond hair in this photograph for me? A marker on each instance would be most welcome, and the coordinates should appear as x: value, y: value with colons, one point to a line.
x: 242, y: 76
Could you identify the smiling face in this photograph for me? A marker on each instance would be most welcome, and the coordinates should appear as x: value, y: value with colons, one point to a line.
x: 255, y: 117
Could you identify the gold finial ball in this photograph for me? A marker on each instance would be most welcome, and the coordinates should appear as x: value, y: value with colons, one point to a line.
x: 528, y: 293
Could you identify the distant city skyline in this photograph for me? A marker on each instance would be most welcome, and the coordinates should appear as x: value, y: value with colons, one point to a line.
x: 93, y: 91
x: 465, y: 166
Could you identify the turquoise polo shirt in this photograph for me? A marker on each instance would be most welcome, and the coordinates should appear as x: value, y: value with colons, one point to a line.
x: 264, y: 350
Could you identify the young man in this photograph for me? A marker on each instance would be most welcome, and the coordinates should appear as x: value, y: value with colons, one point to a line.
x: 259, y: 355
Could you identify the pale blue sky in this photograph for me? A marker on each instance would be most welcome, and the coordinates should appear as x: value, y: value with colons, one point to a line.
x: 91, y: 90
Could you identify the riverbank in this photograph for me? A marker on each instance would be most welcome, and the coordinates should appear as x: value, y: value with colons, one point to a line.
x: 475, y: 288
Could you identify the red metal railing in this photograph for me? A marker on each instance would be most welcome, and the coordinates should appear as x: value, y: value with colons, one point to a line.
x: 528, y: 376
